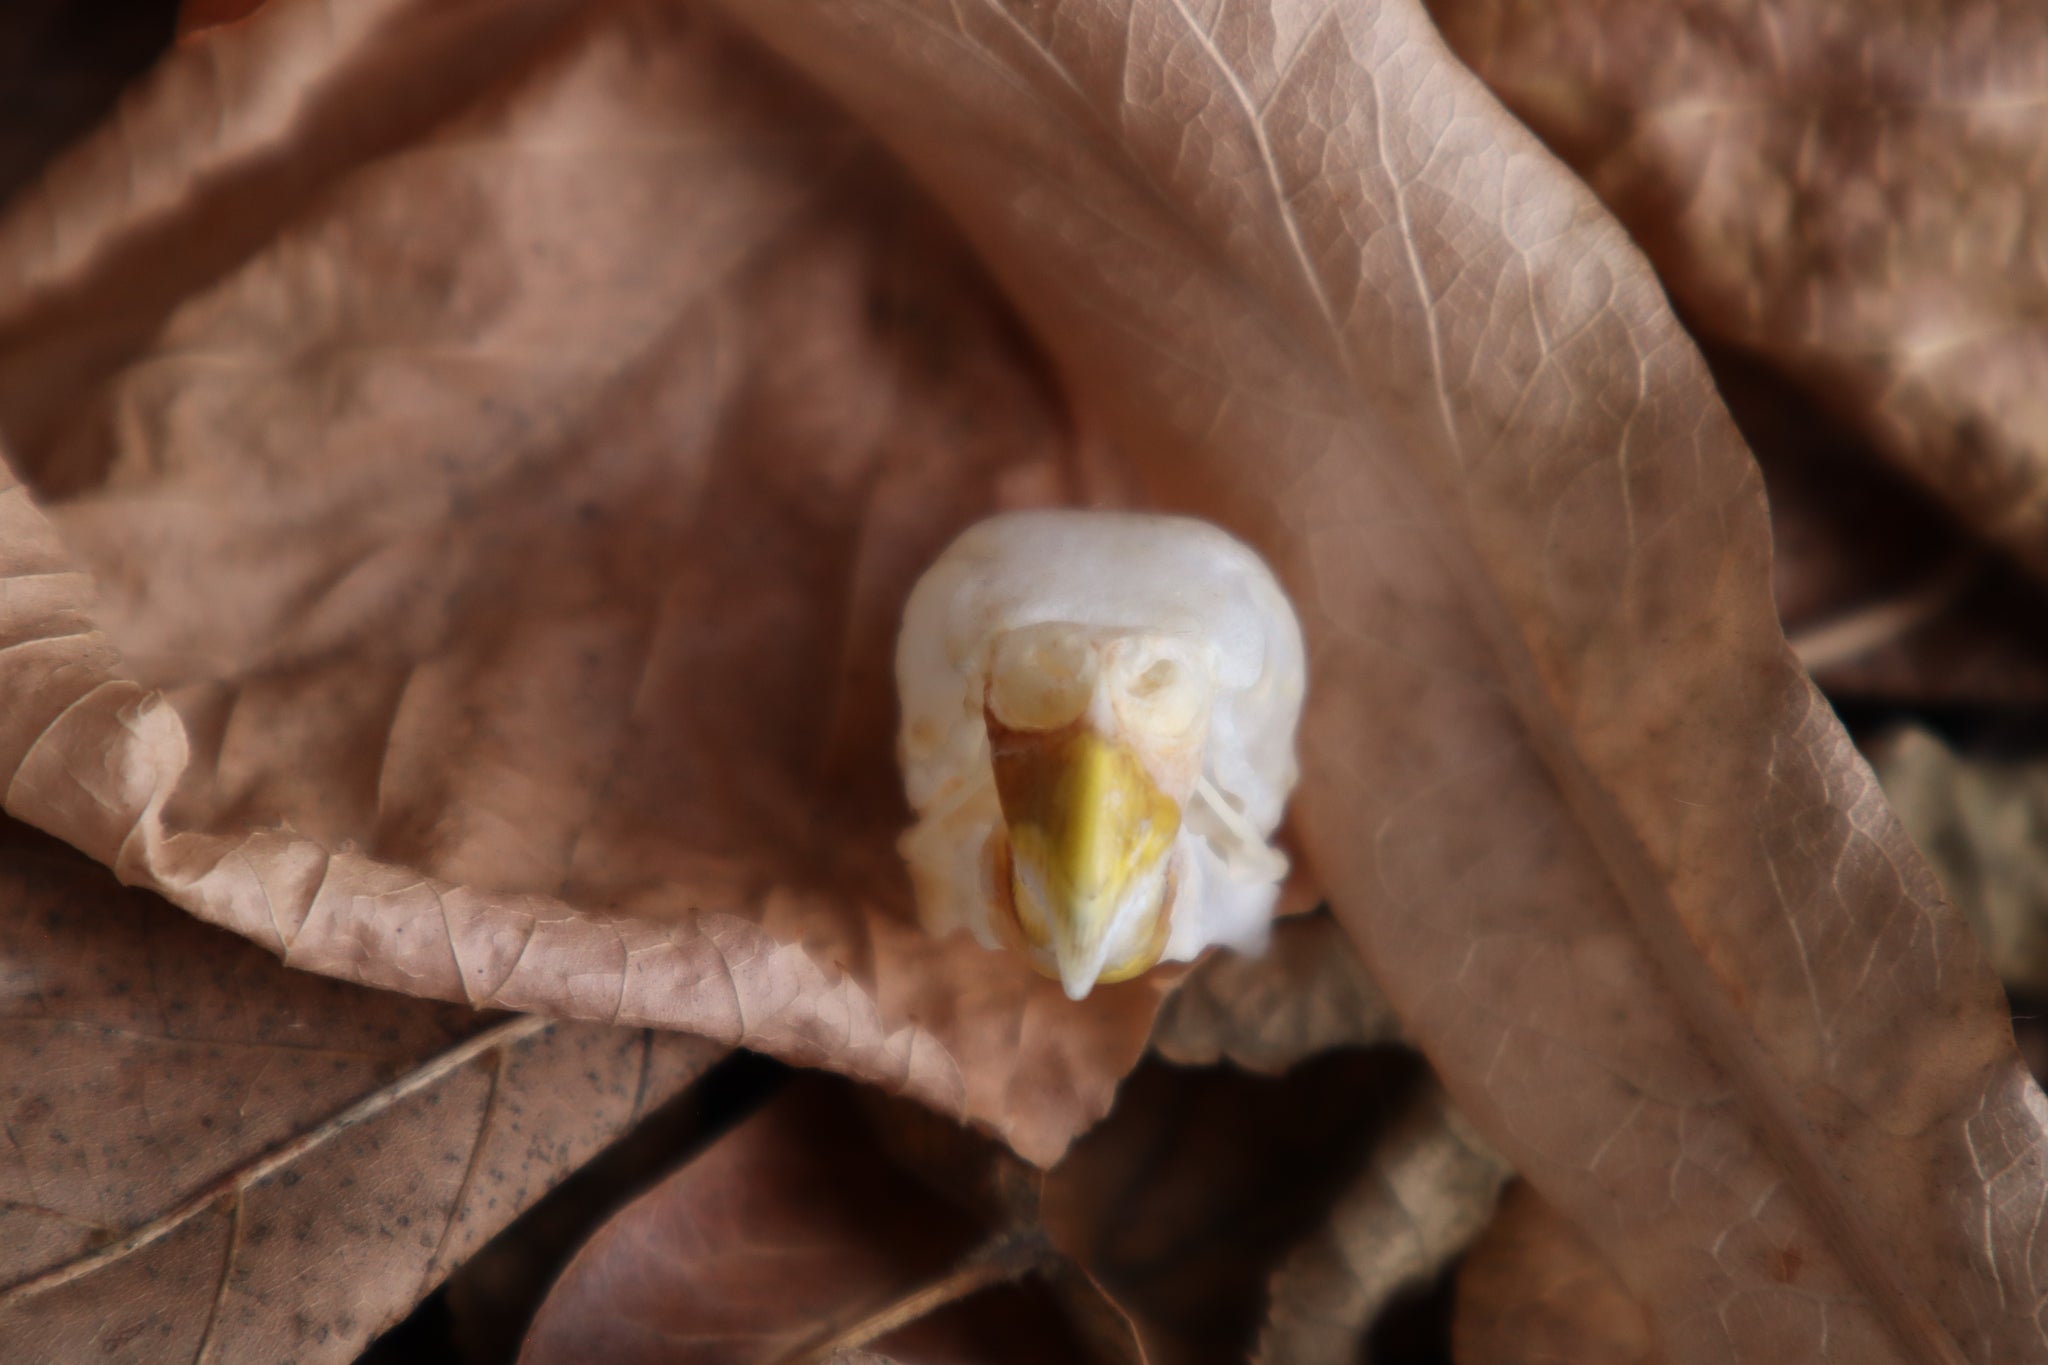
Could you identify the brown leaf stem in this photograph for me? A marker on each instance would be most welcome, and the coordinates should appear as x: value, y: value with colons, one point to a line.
x: 1007, y: 1256
x: 1854, y: 634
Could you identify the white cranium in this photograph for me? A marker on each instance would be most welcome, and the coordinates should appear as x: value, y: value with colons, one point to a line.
x: 1098, y: 739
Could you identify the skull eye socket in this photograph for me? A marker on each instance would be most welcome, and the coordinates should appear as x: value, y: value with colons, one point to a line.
x: 1040, y: 677
x: 1161, y: 675
x: 1162, y: 695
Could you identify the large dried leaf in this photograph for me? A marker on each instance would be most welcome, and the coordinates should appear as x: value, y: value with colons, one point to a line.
x: 793, y: 1230
x: 503, y: 524
x: 211, y: 1157
x: 1855, y: 193
x: 1607, y: 850
x: 1533, y: 1292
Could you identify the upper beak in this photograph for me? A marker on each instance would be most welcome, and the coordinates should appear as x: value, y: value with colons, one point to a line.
x: 1088, y: 827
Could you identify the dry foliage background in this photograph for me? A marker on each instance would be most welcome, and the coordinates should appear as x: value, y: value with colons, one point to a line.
x: 462, y: 465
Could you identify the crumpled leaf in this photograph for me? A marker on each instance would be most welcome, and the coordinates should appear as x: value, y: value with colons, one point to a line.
x: 1853, y: 193
x: 212, y: 1157
x: 788, y: 1231
x: 1608, y: 852
x: 504, y: 552
x: 1309, y: 993
x: 1984, y: 826
x: 1429, y: 1191
x: 1533, y: 1291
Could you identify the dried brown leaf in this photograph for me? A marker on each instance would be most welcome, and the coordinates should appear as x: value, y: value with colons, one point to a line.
x: 1182, y: 1203
x: 1206, y: 1188
x: 213, y: 1157
x: 1308, y: 994
x: 1851, y: 192
x: 1535, y: 1292
x: 1609, y: 853
x: 584, y: 445
x: 1171, y: 1217
x: 1430, y: 1189
x: 789, y: 1231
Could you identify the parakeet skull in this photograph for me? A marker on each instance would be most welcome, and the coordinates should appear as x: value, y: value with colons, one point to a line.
x: 1098, y: 739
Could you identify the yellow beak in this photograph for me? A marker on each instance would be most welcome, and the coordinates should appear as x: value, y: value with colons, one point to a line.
x: 1089, y: 830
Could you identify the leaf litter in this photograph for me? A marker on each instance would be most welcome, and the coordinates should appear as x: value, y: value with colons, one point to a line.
x: 472, y: 572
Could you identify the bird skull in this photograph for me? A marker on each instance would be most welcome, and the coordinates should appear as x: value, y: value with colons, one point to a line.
x: 1098, y: 740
